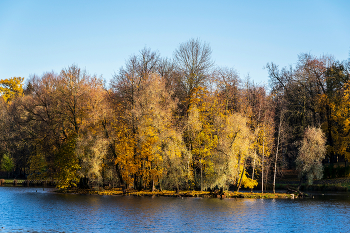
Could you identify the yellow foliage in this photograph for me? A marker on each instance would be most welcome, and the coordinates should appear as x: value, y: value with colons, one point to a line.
x: 248, y: 182
x: 125, y: 150
x: 341, y: 116
x: 11, y: 88
x: 146, y: 136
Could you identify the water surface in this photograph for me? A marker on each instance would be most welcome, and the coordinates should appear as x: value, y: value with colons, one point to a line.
x: 35, y: 210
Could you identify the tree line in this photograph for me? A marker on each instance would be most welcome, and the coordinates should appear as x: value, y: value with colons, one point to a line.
x: 179, y: 123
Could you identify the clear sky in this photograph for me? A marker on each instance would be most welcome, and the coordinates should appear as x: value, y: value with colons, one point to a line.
x: 99, y: 36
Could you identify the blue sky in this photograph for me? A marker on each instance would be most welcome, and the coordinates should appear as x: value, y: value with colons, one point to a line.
x: 99, y: 36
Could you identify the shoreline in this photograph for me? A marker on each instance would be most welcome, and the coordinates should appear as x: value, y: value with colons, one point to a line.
x: 331, y: 185
x: 202, y: 194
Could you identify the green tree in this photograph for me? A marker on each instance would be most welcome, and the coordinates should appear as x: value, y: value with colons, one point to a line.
x: 7, y: 163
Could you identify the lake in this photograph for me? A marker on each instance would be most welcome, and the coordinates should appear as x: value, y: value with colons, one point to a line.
x: 27, y: 209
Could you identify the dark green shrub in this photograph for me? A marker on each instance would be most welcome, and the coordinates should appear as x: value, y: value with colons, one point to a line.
x: 331, y: 172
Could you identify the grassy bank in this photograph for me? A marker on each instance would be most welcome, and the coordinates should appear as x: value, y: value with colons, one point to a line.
x: 27, y: 183
x: 336, y: 185
x: 340, y: 187
x: 333, y: 185
x: 202, y: 194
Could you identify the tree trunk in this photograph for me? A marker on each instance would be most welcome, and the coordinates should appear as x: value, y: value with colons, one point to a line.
x: 262, y: 168
x: 274, y: 174
x: 278, y: 143
x: 201, y: 176
x: 301, y: 182
x: 253, y: 169
x: 240, y: 181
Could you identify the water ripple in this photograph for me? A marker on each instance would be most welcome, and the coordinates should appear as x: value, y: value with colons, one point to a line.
x: 34, y: 210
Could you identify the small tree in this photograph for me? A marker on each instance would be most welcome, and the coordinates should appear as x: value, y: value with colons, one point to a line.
x: 311, y: 154
x: 7, y: 164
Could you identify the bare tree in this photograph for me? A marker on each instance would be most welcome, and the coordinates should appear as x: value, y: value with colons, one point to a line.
x: 277, y: 149
x: 129, y: 81
x: 193, y: 60
x: 226, y: 83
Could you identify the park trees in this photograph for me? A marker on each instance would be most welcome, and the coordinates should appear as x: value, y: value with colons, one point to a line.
x: 220, y: 140
x: 312, y: 94
x: 81, y: 109
x: 256, y: 105
x: 200, y: 136
x: 333, y: 109
x: 173, y: 123
x: 235, y: 149
x: 57, y: 113
x: 294, y: 91
x: 341, y: 127
x: 10, y: 90
x: 131, y: 103
x: 148, y: 145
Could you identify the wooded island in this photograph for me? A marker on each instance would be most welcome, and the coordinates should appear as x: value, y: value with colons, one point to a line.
x: 180, y: 123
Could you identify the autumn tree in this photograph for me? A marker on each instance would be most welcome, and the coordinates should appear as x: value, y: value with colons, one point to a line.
x: 148, y: 146
x: 256, y: 105
x: 341, y: 115
x: 279, y: 143
x: 56, y: 113
x: 311, y: 154
x: 332, y: 107
x: 201, y: 140
x: 126, y: 88
x: 92, y: 143
x: 4, y: 126
x: 235, y: 148
x: 220, y: 141
x: 160, y: 140
x: 11, y: 88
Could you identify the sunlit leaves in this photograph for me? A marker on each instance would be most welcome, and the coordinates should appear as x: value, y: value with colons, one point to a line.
x: 311, y: 154
x: 11, y: 88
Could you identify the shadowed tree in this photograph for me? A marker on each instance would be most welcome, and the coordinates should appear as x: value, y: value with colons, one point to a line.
x: 7, y: 163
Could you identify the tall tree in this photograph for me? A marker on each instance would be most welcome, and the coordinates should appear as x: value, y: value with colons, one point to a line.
x: 193, y: 61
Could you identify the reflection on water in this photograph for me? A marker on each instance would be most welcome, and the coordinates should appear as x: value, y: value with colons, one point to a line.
x: 35, y: 210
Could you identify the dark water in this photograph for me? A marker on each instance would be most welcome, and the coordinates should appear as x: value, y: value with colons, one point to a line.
x: 35, y: 210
